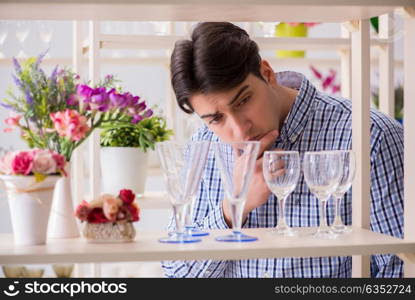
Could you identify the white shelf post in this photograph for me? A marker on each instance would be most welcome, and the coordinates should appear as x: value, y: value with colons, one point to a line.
x: 360, y: 42
x: 386, y: 67
x: 94, y: 163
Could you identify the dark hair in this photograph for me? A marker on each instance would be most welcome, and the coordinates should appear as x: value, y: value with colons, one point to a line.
x: 218, y: 57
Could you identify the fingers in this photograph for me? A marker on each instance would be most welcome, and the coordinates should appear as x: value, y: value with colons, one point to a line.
x: 267, y: 141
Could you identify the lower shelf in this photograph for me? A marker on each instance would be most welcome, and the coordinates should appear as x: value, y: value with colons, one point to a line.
x: 147, y: 248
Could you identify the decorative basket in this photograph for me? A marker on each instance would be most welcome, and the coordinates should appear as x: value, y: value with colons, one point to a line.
x: 119, y: 232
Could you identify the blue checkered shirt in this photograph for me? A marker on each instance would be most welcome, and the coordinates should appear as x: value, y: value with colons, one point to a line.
x: 316, y: 121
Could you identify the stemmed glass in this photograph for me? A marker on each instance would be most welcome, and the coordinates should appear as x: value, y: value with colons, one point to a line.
x: 22, y: 31
x: 322, y: 173
x: 236, y: 163
x: 348, y: 171
x: 182, y: 166
x: 281, y: 172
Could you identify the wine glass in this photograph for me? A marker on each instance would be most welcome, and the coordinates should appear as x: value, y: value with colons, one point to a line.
x: 348, y: 171
x: 322, y: 173
x: 236, y: 163
x: 182, y: 166
x: 281, y: 172
x: 4, y: 31
x: 22, y: 31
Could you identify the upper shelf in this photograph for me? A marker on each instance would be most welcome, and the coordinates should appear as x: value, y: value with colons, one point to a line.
x: 147, y: 248
x: 200, y: 10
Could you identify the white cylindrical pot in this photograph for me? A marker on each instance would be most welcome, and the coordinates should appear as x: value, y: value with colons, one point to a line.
x: 123, y: 168
x: 62, y: 222
x: 30, y: 205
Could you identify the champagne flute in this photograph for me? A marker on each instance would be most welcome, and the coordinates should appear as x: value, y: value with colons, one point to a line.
x: 281, y: 172
x: 322, y: 173
x: 348, y: 159
x: 181, y: 166
x: 236, y: 163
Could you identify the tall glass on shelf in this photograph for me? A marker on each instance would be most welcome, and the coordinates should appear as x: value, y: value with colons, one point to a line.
x: 281, y: 172
x: 236, y: 162
x: 322, y: 173
x: 182, y: 166
x: 348, y: 159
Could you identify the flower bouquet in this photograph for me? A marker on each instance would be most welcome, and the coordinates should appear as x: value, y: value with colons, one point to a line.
x: 109, y: 218
x: 29, y: 178
x: 58, y: 112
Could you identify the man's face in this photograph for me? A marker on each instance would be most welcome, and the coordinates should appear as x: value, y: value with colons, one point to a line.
x: 246, y: 112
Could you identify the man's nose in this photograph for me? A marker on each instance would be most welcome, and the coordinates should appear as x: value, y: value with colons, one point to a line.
x: 240, y: 128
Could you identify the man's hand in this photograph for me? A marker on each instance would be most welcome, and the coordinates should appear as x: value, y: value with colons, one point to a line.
x: 258, y: 191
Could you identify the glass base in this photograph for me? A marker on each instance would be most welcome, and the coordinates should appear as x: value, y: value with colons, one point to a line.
x: 176, y: 238
x: 284, y: 231
x: 324, y: 233
x: 341, y: 229
x: 236, y: 236
x: 193, y: 231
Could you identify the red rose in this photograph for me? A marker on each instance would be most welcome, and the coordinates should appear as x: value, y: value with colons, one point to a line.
x: 96, y: 215
x: 127, y: 196
x: 134, y: 212
x: 82, y: 211
x: 60, y: 163
x: 22, y: 163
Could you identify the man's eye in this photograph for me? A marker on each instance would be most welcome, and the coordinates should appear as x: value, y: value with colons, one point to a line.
x: 243, y: 101
x: 215, y: 120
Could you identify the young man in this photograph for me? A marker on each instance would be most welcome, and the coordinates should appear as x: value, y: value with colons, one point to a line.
x: 219, y: 75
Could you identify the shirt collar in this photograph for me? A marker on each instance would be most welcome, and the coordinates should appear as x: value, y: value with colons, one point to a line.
x: 297, y: 117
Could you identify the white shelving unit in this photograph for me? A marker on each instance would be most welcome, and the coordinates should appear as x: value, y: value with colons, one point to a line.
x: 355, y: 48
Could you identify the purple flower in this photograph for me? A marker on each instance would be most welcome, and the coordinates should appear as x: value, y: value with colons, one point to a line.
x: 141, y: 107
x: 85, y: 92
x: 99, y: 100
x: 40, y: 58
x: 148, y: 113
x: 117, y: 100
x: 136, y: 119
x: 29, y: 98
x: 72, y: 100
x: 17, y: 66
x: 54, y: 74
x: 17, y: 82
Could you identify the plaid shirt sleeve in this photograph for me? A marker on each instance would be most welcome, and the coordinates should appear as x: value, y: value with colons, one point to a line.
x: 387, y: 193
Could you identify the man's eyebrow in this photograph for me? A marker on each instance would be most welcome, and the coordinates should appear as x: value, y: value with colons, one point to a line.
x: 242, y: 89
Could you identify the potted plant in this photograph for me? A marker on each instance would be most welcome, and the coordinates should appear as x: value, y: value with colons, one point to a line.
x: 292, y: 30
x: 124, y: 148
x: 58, y: 112
x: 109, y: 218
x: 29, y: 178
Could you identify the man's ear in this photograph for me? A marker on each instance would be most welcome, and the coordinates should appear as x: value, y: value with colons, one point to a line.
x: 267, y: 72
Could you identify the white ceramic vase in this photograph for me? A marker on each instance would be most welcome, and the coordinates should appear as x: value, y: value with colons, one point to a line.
x: 30, y: 206
x: 123, y: 168
x: 62, y: 222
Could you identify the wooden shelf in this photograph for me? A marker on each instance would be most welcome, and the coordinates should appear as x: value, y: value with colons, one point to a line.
x: 147, y: 248
x: 200, y: 10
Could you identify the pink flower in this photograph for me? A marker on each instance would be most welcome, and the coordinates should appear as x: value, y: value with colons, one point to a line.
x: 43, y: 162
x: 22, y: 163
x: 110, y: 207
x: 6, y: 163
x: 82, y: 211
x: 60, y: 163
x: 13, y: 121
x: 70, y: 124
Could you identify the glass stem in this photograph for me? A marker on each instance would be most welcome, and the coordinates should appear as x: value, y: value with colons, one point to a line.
x: 323, y: 217
x: 236, y: 212
x: 281, y: 214
x: 337, y: 220
x: 179, y: 212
